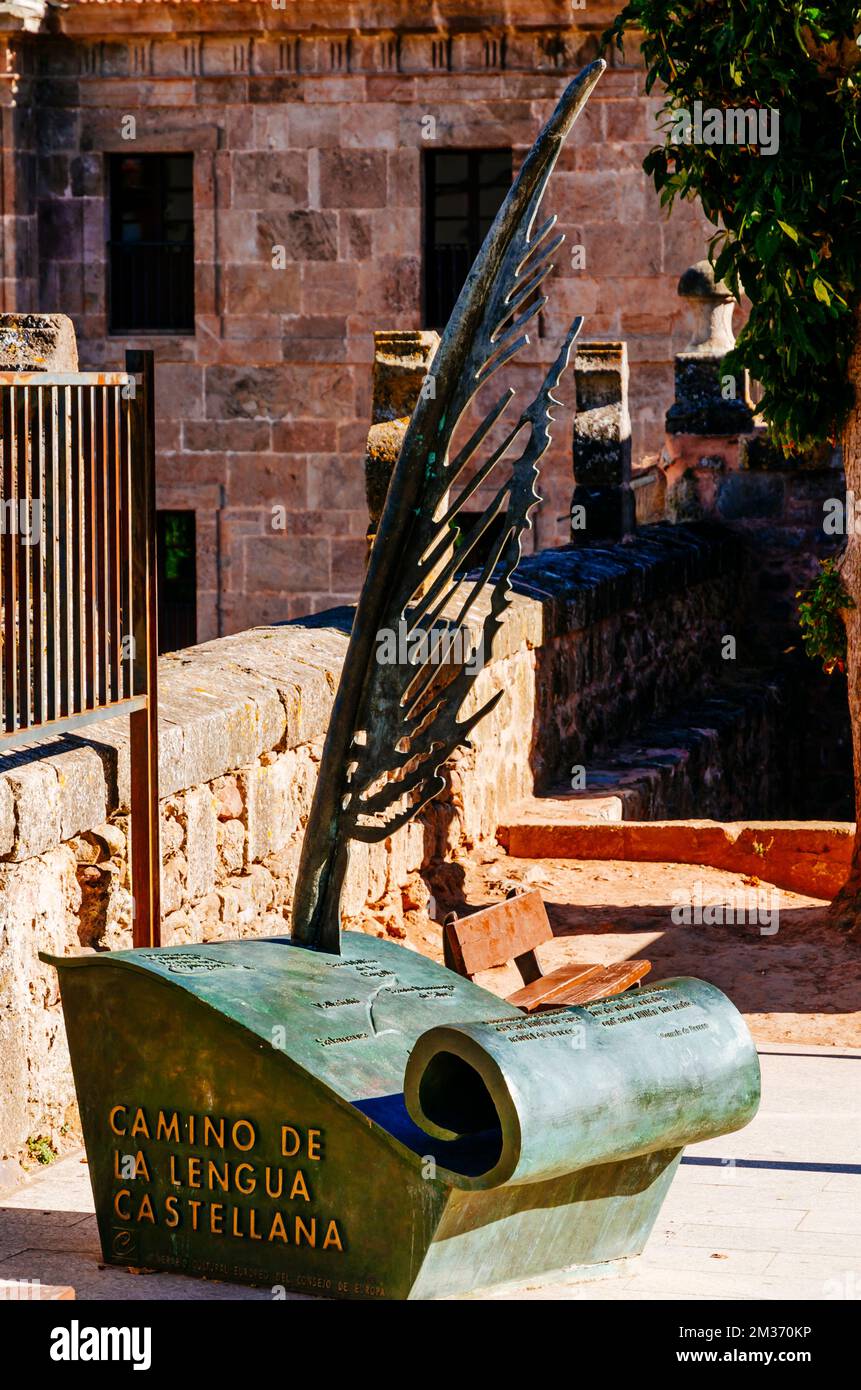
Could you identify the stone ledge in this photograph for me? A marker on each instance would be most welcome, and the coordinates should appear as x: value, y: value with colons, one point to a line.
x: 221, y: 705
x: 580, y: 585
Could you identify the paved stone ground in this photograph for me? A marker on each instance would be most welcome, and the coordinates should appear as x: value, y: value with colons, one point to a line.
x: 788, y: 1226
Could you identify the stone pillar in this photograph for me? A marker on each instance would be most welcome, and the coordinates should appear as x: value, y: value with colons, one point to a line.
x: 401, y: 362
x: 711, y: 419
x: 37, y: 343
x: 707, y: 402
x: 19, y: 270
x: 602, y: 507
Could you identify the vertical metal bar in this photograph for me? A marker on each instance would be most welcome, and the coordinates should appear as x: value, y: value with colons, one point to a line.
x: 100, y: 535
x: 49, y: 541
x: 35, y: 537
x: 76, y: 513
x: 88, y: 414
x: 126, y: 548
x: 113, y: 540
x: 3, y: 611
x: 22, y: 431
x: 146, y: 861
x: 10, y: 615
x: 65, y: 549
x: 10, y: 561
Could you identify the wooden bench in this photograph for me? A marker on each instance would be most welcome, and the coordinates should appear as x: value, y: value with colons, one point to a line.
x: 511, y: 930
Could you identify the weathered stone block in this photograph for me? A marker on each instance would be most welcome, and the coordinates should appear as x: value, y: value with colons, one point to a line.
x: 82, y: 790
x: 271, y: 816
x: 332, y: 477
x: 228, y: 798
x: 200, y: 828
x: 601, y: 444
x: 284, y: 563
x: 241, y: 436
x: 348, y: 564
x: 352, y: 179
x: 270, y: 179
x: 37, y: 343
x: 271, y: 392
x: 36, y: 795
x: 305, y: 234
x: 174, y: 872
x: 231, y: 846
x: 181, y: 928
x: 7, y: 817
x: 36, y: 1087
x: 253, y: 289
x: 743, y: 496
x: 238, y: 907
x: 262, y: 886
x: 365, y: 880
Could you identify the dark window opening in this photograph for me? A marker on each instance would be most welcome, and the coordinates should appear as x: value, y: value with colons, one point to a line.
x: 177, y: 580
x: 151, y: 246
x: 464, y: 190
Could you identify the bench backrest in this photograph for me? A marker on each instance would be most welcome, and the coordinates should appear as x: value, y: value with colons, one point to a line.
x: 495, y: 935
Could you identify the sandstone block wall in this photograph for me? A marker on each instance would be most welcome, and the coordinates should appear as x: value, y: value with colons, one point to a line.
x: 306, y: 128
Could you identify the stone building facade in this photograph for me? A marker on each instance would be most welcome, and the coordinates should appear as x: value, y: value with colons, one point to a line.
x: 308, y: 123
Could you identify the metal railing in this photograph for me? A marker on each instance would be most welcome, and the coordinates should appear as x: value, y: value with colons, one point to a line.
x: 78, y: 577
x: 151, y: 286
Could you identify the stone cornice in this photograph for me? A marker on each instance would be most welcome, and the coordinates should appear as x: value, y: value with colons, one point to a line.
x: 234, y: 38
x: 317, y: 18
x: 200, y: 54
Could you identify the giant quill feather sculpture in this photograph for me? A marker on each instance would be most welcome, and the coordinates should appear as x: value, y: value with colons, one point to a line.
x: 394, y: 724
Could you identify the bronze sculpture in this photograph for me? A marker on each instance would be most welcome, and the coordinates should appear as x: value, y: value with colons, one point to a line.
x: 394, y: 725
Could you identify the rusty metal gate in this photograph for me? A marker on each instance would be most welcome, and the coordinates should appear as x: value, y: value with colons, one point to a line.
x: 78, y: 578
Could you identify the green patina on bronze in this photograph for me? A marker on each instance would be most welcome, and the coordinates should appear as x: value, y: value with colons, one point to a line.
x: 428, y: 1138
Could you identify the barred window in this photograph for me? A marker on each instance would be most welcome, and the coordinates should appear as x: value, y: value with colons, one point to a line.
x: 151, y: 246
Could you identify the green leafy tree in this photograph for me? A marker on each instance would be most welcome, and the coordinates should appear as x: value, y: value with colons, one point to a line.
x: 787, y: 215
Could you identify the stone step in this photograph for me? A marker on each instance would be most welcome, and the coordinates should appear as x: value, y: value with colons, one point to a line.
x: 810, y: 857
x: 723, y: 757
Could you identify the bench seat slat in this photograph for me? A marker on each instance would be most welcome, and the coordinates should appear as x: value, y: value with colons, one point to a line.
x: 612, y: 980
x: 547, y: 989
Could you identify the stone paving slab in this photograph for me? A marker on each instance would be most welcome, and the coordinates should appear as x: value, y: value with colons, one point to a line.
x: 726, y: 1231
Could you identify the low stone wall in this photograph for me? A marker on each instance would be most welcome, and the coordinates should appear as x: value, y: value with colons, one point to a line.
x: 809, y: 857
x: 649, y: 614
x: 242, y: 721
